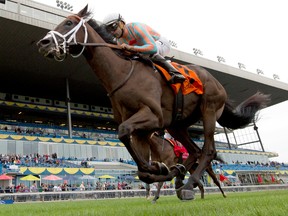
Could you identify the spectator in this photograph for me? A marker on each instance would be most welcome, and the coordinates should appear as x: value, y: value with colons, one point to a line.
x: 33, y: 187
x: 82, y: 187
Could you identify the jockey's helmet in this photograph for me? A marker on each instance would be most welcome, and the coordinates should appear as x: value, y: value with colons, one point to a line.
x: 112, y: 18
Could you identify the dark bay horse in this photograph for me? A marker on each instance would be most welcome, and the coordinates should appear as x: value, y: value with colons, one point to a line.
x: 163, y: 151
x: 143, y: 103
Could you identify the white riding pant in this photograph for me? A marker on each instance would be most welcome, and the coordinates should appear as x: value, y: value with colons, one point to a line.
x: 163, y: 46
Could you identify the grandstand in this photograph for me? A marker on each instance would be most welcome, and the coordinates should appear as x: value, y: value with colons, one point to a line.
x: 34, y: 117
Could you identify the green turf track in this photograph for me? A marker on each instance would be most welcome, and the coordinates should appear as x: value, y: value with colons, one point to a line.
x: 270, y: 203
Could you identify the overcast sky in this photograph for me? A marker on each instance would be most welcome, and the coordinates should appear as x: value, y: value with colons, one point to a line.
x: 253, y: 33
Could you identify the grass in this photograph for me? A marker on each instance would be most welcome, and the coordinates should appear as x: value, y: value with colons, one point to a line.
x: 270, y: 203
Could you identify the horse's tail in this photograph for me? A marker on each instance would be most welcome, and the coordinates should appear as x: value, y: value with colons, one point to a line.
x: 243, y: 114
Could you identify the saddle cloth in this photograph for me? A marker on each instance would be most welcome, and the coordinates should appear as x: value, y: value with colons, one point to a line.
x: 191, y: 84
x: 179, y: 149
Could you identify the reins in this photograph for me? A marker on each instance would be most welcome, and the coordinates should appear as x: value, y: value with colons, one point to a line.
x: 124, y: 81
x: 113, y: 46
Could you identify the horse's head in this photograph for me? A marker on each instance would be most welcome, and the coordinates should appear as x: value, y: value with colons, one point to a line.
x: 72, y: 30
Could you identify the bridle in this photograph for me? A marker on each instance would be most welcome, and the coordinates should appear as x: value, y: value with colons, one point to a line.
x: 61, y: 48
x: 70, y: 39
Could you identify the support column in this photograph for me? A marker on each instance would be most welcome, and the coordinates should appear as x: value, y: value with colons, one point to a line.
x: 258, y: 135
x: 228, y: 141
x: 68, y: 109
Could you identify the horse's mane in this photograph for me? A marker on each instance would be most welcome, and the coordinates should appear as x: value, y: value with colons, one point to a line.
x: 100, y: 29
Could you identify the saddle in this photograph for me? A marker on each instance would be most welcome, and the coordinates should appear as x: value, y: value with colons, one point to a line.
x: 191, y: 84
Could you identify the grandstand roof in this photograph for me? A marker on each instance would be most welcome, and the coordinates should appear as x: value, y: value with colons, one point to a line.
x: 26, y: 72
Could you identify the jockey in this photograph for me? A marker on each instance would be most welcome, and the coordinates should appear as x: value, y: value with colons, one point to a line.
x: 138, y: 37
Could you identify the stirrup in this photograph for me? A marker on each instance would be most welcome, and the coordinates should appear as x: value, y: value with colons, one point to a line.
x: 176, y: 78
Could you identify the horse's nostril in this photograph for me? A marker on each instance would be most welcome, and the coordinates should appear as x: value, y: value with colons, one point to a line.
x: 44, y: 42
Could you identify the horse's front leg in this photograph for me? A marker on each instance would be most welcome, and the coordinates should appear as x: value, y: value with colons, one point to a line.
x: 210, y: 171
x: 150, y: 178
x: 135, y: 133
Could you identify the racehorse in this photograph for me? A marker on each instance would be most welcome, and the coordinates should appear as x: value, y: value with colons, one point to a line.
x: 163, y: 151
x: 143, y: 102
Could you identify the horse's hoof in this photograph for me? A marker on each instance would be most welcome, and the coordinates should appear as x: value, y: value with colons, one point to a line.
x: 179, y: 192
x: 187, y: 195
x: 184, y: 194
x: 153, y: 201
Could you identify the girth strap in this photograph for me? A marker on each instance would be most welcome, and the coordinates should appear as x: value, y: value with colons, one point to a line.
x: 178, y: 106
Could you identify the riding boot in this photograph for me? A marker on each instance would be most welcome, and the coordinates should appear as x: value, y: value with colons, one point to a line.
x: 176, y: 76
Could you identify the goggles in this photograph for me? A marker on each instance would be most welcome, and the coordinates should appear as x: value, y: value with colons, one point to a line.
x: 112, y: 27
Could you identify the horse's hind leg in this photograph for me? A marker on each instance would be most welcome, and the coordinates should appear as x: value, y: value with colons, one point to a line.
x: 208, y: 153
x: 157, y: 194
x: 147, y: 191
x: 201, y: 188
x: 210, y: 171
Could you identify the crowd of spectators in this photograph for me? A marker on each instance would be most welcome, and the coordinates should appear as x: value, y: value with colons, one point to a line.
x: 273, y: 164
x: 29, y: 160
x: 65, y: 186
x: 43, y: 130
x: 36, y: 160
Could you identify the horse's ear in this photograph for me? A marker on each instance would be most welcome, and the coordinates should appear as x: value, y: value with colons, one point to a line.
x: 83, y: 12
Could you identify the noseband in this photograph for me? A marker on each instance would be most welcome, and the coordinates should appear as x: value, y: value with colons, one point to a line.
x: 61, y: 48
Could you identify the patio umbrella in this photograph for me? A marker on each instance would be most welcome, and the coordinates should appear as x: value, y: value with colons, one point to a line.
x: 88, y: 177
x: 106, y: 177
x: 4, y: 180
x: 5, y: 177
x: 30, y: 178
x: 70, y: 178
x: 128, y: 178
x: 52, y: 178
x: 231, y: 178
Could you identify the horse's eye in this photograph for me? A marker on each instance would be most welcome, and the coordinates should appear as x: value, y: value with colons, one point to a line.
x: 69, y: 23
